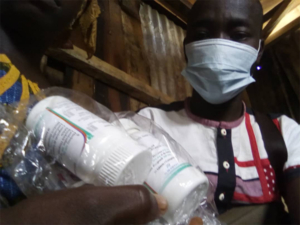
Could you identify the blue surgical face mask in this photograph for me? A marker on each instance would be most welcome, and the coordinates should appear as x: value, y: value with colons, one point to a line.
x: 219, y: 69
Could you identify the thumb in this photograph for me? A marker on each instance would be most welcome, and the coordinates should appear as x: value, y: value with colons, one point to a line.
x: 135, y: 205
x: 196, y: 221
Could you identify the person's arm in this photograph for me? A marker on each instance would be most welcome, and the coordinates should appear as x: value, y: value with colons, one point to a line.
x: 290, y: 130
x: 88, y: 205
x: 292, y: 199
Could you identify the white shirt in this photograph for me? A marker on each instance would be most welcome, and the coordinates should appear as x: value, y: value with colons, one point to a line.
x: 254, y: 176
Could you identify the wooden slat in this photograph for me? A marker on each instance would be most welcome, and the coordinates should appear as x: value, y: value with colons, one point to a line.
x: 150, y: 44
x: 124, y: 101
x: 268, y: 16
x: 111, y: 46
x: 136, y: 105
x: 114, y: 100
x: 101, y: 94
x: 159, y: 52
x: 54, y: 76
x: 165, y: 8
x: 137, y: 64
x: 268, y: 5
x: 188, y: 3
x: 83, y: 83
x: 173, y: 60
x: 293, y: 25
x: 114, y: 49
x: 279, y: 14
x: 167, y: 63
x: 164, y: 46
x: 110, y: 75
x: 131, y: 7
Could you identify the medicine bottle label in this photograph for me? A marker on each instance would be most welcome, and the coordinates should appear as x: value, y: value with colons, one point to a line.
x: 165, y: 166
x: 65, y: 128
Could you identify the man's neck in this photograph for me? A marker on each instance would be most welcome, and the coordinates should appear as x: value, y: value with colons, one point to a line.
x: 229, y: 111
x: 25, y: 57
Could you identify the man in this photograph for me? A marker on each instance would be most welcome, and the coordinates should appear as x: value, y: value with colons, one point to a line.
x: 196, y: 127
x: 222, y: 46
x: 27, y: 29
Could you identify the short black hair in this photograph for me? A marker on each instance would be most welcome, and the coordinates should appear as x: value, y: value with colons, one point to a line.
x: 258, y: 10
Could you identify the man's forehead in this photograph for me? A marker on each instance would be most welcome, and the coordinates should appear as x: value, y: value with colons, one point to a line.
x: 248, y: 10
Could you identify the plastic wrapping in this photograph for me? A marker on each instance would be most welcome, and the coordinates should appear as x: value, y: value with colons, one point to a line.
x: 63, y: 139
x: 174, y: 174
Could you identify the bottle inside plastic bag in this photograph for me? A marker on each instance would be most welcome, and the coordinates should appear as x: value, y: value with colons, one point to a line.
x: 62, y: 145
x: 179, y: 182
x: 90, y: 147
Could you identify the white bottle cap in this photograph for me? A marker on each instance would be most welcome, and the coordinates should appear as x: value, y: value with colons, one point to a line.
x: 127, y: 163
x: 184, y: 193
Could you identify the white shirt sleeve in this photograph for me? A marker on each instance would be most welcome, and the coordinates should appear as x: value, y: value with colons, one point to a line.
x: 291, y: 134
x: 146, y: 112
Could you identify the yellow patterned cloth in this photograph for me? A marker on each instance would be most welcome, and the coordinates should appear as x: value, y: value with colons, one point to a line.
x: 14, y: 87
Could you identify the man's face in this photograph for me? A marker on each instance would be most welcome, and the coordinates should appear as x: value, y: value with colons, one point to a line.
x: 38, y: 18
x: 236, y: 20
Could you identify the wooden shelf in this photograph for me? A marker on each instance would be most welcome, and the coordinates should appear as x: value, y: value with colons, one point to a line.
x: 110, y: 75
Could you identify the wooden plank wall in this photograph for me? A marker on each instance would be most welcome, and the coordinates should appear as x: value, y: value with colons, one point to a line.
x: 124, y: 42
x: 164, y: 49
x: 62, y: 75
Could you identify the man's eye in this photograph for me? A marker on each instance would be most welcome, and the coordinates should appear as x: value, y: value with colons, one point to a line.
x: 240, y: 36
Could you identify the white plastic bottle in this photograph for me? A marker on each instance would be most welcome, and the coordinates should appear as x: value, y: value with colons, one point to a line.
x: 181, y: 184
x: 88, y: 146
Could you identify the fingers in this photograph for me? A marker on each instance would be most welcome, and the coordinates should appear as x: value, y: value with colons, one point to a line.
x: 162, y: 204
x: 142, y: 206
x: 196, y: 221
x: 130, y: 205
x: 90, y: 205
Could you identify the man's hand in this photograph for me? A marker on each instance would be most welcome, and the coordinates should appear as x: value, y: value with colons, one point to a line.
x: 88, y: 205
x: 292, y: 198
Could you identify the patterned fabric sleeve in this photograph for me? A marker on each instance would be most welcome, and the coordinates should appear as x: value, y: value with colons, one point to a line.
x: 13, y: 87
x: 291, y: 134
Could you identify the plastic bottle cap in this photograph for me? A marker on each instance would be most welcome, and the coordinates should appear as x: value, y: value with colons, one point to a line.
x: 128, y: 163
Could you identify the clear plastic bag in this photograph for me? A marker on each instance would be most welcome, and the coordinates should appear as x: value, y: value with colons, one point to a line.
x: 58, y: 133
x: 63, y: 139
x: 174, y: 174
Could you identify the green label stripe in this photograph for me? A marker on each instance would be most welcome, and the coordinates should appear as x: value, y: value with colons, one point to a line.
x: 88, y: 134
x: 177, y: 170
x: 149, y: 188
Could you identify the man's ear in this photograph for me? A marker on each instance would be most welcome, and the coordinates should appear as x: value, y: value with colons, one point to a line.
x: 261, y: 50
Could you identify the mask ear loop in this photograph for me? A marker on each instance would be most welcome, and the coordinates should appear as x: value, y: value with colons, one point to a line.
x: 259, y: 47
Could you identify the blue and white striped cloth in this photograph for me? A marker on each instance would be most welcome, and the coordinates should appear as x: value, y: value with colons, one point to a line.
x: 9, y: 191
